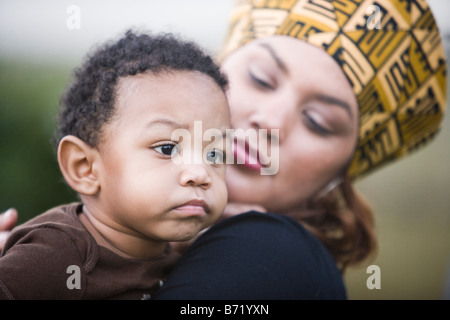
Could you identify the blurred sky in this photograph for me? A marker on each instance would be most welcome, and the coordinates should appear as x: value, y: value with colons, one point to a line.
x: 37, y: 29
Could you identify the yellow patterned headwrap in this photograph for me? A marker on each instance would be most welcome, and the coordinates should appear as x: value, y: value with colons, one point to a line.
x: 391, y: 52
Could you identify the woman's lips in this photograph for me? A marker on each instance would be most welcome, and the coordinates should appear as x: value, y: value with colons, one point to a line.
x: 246, y: 156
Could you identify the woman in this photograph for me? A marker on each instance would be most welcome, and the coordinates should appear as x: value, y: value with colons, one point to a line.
x: 8, y: 219
x: 344, y: 90
x: 350, y: 87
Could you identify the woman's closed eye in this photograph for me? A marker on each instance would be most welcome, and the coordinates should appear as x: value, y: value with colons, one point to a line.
x: 314, y: 125
x: 259, y: 81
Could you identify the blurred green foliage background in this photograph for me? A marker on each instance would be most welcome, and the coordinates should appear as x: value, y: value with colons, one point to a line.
x: 410, y: 198
x: 29, y: 176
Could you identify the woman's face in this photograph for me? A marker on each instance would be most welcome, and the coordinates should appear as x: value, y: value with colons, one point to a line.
x: 287, y: 84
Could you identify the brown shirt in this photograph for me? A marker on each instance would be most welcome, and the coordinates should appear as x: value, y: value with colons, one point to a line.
x: 53, y: 256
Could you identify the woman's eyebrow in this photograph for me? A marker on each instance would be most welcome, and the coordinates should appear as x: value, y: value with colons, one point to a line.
x: 322, y: 97
x: 275, y: 57
x: 335, y: 101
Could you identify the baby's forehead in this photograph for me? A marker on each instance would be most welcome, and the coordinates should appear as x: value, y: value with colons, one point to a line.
x: 130, y: 84
x: 176, y: 93
x: 167, y: 78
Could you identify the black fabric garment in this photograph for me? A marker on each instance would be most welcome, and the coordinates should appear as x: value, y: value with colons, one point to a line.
x: 255, y: 256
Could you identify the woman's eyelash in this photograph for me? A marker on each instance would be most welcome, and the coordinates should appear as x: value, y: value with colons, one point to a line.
x: 258, y: 81
x: 314, y: 125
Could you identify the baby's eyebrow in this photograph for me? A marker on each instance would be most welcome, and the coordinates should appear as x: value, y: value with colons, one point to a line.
x: 166, y: 122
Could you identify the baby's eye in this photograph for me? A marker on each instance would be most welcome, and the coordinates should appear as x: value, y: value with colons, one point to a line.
x: 215, y: 156
x: 167, y: 149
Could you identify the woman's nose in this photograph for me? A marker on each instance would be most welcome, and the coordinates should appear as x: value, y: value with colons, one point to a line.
x: 195, y: 175
x: 273, y: 115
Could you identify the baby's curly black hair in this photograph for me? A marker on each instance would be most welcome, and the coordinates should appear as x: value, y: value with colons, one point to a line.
x: 88, y: 103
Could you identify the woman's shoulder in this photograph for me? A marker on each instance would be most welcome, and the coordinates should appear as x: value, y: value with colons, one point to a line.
x: 256, y: 256
x: 280, y: 234
x: 277, y: 228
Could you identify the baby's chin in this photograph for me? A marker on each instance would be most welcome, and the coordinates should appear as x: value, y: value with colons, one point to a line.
x: 186, y: 235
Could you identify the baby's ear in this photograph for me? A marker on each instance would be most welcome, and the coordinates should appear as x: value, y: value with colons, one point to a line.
x: 77, y: 162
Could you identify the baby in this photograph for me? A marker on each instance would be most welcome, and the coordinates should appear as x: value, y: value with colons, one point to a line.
x: 116, y: 149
